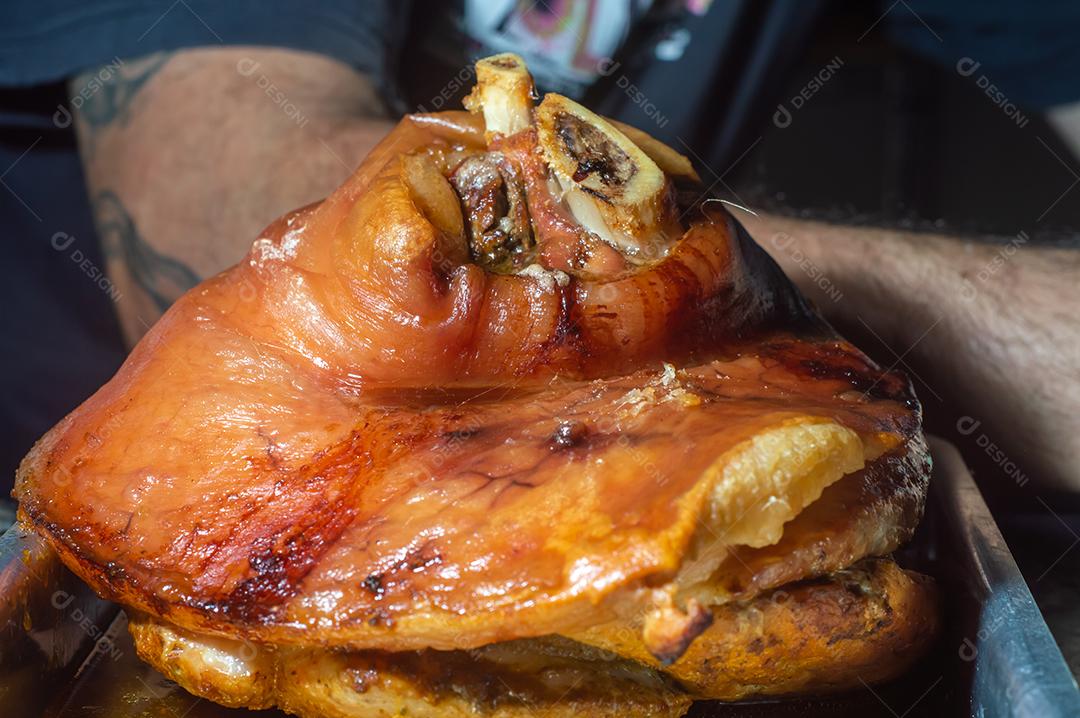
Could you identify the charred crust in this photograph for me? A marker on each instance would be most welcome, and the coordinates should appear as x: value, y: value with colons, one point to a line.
x: 672, y: 649
x: 568, y: 434
x: 374, y: 584
x: 878, y: 384
x: 456, y: 436
x: 839, y: 361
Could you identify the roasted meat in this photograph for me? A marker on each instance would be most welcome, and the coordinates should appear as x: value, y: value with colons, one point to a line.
x: 502, y: 405
x: 826, y: 633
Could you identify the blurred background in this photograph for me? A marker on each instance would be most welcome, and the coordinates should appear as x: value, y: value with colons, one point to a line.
x: 956, y: 117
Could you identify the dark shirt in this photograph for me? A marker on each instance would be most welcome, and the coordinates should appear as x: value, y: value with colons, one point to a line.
x: 48, y: 40
x: 1029, y: 51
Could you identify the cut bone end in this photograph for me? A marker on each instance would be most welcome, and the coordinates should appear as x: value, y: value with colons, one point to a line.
x: 504, y: 93
x: 612, y: 186
x: 584, y: 148
x: 666, y: 158
x: 612, y: 179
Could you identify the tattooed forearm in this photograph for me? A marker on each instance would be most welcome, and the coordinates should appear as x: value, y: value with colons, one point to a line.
x: 186, y: 159
x: 105, y: 94
x: 161, y: 277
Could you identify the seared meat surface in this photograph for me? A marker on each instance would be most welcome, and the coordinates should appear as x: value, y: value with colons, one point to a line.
x: 499, y: 392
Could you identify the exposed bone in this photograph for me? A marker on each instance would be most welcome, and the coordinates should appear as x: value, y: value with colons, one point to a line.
x: 611, y: 177
x: 613, y: 188
x: 666, y: 158
x: 504, y: 93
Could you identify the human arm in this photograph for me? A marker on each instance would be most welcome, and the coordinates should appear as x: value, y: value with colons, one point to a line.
x: 990, y: 326
x: 189, y: 155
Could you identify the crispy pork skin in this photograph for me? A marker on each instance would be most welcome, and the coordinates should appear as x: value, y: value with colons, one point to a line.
x: 505, y: 389
x: 341, y: 440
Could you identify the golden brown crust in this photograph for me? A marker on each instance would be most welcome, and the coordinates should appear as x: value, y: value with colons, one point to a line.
x: 231, y: 673
x: 367, y: 437
x: 519, y: 679
x: 864, y: 624
x: 505, y: 557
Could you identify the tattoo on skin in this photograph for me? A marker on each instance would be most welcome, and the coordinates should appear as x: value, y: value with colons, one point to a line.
x: 117, y: 91
x: 162, y: 277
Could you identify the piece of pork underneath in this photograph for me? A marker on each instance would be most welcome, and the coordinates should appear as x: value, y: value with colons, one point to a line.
x: 867, y: 623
